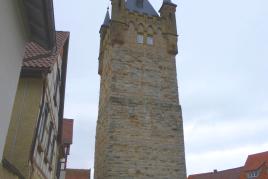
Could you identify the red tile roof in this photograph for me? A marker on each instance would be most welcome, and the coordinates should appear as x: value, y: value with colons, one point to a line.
x: 67, y: 130
x: 77, y: 174
x: 225, y: 174
x: 39, y: 58
x: 255, y: 161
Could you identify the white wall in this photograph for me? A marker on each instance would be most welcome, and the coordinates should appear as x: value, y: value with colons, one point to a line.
x: 12, y: 41
x: 62, y: 174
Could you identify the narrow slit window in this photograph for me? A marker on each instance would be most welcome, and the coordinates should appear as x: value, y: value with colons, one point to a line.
x: 140, y: 39
x: 150, y: 40
x: 170, y: 17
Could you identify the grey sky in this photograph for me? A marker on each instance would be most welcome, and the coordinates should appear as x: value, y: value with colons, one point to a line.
x: 222, y: 73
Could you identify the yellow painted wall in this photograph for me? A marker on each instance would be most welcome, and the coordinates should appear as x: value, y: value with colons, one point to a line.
x: 23, y: 123
x: 5, y: 174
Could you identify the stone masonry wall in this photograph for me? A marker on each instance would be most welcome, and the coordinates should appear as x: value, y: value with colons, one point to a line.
x: 140, y: 128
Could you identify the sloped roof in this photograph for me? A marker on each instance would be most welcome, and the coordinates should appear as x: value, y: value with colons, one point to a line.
x: 39, y: 58
x: 147, y: 8
x: 169, y: 2
x: 107, y: 19
x: 67, y: 130
x: 225, y: 174
x: 255, y: 161
x: 77, y: 174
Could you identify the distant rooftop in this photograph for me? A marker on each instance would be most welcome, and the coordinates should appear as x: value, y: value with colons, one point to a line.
x: 77, y: 174
x: 226, y: 174
x: 68, y: 131
x: 255, y: 161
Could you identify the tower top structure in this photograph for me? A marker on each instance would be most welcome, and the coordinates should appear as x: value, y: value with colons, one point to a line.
x: 107, y: 18
x: 139, y: 130
x: 141, y: 6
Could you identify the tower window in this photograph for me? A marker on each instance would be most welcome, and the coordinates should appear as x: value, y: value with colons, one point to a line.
x: 150, y: 40
x: 140, y: 39
x: 170, y: 17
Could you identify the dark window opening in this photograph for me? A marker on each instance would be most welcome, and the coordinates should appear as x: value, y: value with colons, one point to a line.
x: 170, y: 17
x: 49, y: 138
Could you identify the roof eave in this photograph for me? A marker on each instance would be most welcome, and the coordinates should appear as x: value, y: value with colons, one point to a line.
x: 62, y: 89
x: 33, y: 72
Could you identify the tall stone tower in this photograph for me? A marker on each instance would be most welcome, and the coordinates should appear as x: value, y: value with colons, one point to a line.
x: 140, y: 128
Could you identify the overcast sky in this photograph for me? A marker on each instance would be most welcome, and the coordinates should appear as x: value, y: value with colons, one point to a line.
x: 222, y: 75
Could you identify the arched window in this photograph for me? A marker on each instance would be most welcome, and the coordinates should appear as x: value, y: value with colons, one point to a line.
x: 150, y: 40
x: 139, y: 38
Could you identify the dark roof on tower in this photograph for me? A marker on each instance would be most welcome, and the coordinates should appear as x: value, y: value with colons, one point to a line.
x: 141, y: 6
x: 168, y: 2
x: 107, y: 19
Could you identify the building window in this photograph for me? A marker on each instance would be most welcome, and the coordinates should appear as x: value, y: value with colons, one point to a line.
x: 49, y: 137
x: 43, y: 120
x: 56, y: 86
x: 253, y: 174
x: 140, y: 39
x: 49, y: 144
x: 51, y: 150
x: 58, y: 169
x: 150, y: 40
